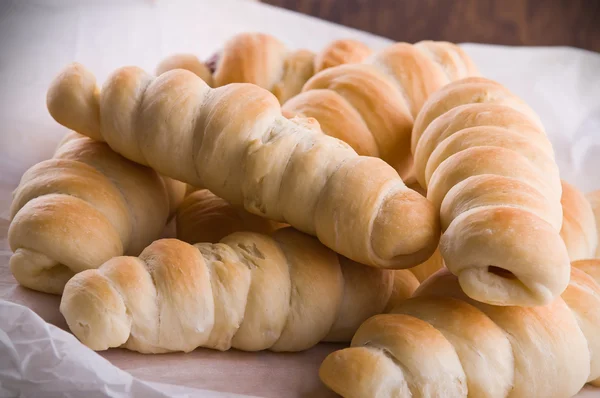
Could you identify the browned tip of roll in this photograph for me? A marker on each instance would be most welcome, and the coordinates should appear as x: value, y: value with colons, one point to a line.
x: 339, y: 52
x: 95, y: 311
x: 406, y: 231
x: 73, y: 100
x: 360, y: 372
x: 188, y: 62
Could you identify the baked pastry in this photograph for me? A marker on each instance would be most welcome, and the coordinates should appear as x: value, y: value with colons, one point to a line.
x: 252, y: 292
x: 262, y: 59
x: 204, y: 217
x: 234, y: 141
x: 372, y: 105
x: 82, y: 207
x: 594, y: 199
x: 489, y: 169
x: 440, y: 343
x: 578, y: 229
x: 341, y: 52
x: 189, y: 62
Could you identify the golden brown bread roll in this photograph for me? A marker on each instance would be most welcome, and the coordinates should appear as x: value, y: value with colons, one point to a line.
x: 489, y: 168
x: 186, y: 61
x: 262, y: 59
x: 340, y: 52
x: 252, y: 292
x: 82, y: 207
x: 234, y: 141
x: 578, y: 229
x: 372, y: 105
x: 204, y: 217
x: 440, y: 343
x: 594, y: 199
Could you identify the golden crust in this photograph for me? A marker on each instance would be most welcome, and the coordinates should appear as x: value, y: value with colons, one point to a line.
x: 340, y: 52
x: 186, y: 61
x: 363, y: 88
x: 204, y: 217
x: 79, y: 209
x: 252, y: 292
x: 297, y: 69
x: 255, y: 58
x: 263, y: 60
x: 579, y: 226
x: 488, y: 167
x: 443, y: 342
x: 403, y: 75
x: 290, y: 171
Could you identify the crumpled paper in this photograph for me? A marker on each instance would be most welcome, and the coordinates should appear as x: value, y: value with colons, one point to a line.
x: 40, y: 360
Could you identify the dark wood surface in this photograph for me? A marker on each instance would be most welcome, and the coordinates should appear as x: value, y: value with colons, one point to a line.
x: 513, y: 22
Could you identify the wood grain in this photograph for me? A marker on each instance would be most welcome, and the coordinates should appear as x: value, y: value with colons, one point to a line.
x: 511, y: 22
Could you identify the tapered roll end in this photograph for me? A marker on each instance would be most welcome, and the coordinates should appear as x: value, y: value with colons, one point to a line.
x: 506, y: 256
x: 406, y: 231
x: 188, y: 62
x: 363, y: 372
x: 95, y: 311
x: 73, y: 100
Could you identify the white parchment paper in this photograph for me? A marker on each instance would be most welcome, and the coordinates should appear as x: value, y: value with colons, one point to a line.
x: 38, y: 37
x: 40, y: 360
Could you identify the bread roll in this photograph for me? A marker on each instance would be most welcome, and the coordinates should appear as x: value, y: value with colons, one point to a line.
x: 341, y: 52
x: 82, y: 207
x: 252, y: 292
x: 443, y: 344
x: 372, y: 105
x: 234, y: 141
x: 262, y: 59
x: 489, y: 168
x: 188, y: 62
x: 204, y: 217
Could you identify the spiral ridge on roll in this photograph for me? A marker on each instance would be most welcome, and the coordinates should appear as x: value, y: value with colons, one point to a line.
x: 284, y: 292
x: 440, y: 343
x: 372, y: 105
x: 80, y: 208
x: 234, y: 141
x: 489, y: 169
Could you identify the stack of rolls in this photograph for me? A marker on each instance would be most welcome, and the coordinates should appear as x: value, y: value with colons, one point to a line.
x: 265, y: 61
x: 347, y: 99
x: 240, y: 288
x: 441, y: 343
x: 342, y: 86
x: 292, y: 173
x: 481, y: 284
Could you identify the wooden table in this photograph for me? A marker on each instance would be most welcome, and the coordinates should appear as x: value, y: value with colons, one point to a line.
x: 512, y: 22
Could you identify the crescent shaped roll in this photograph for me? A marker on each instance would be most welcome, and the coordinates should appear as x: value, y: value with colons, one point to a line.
x: 489, y: 169
x: 442, y: 343
x: 82, y: 207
